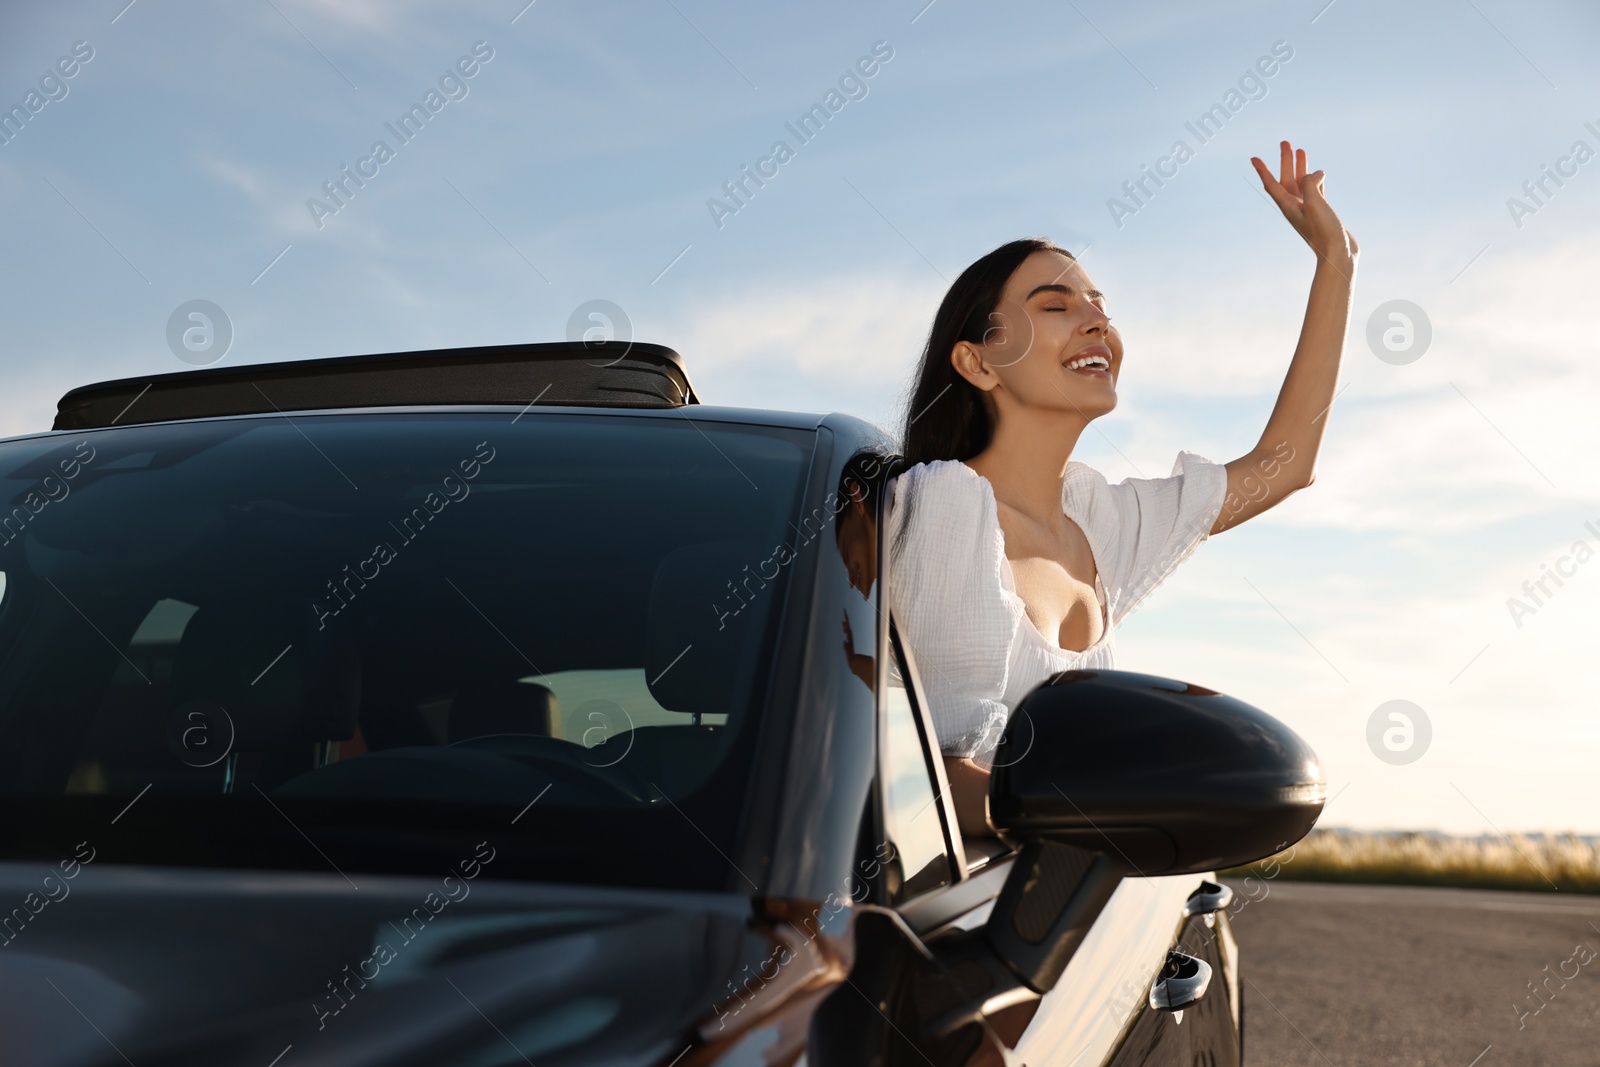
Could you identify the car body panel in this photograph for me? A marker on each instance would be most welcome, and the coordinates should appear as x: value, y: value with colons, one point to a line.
x: 1205, y: 1034
x: 1113, y: 969
x: 178, y: 965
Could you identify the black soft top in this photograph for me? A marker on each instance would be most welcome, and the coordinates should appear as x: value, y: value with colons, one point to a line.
x: 585, y: 373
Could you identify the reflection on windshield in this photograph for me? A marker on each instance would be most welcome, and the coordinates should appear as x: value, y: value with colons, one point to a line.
x: 861, y: 484
x: 416, y: 609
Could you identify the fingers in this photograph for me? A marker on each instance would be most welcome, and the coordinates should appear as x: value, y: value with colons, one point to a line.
x: 1284, y: 198
x: 1261, y: 170
x: 1292, y: 164
x: 1300, y: 195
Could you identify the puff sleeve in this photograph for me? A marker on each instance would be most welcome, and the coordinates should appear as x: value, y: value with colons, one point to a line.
x: 945, y: 590
x: 1151, y: 525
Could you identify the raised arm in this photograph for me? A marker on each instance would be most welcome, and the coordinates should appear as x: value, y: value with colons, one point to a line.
x: 1285, y: 459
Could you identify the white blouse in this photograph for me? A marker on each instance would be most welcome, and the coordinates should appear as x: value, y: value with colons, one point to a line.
x: 954, y: 597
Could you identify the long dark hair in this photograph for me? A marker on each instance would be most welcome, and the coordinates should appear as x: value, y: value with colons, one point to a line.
x: 945, y: 415
x: 863, y: 479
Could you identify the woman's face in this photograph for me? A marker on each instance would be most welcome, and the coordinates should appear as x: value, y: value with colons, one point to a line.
x: 1040, y: 348
x: 858, y: 545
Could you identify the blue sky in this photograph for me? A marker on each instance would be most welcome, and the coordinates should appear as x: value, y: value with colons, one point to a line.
x: 579, y: 162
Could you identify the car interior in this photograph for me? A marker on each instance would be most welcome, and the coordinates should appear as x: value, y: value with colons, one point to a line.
x: 246, y: 694
x: 500, y: 654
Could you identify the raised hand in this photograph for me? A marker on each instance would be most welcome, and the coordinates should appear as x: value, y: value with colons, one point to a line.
x: 861, y: 665
x: 1299, y: 196
x: 1296, y: 425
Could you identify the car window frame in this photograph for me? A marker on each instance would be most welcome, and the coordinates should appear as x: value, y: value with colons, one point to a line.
x: 932, y: 760
x: 968, y: 898
x: 887, y: 643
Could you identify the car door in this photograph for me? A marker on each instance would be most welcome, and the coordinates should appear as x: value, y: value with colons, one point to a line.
x: 1100, y: 1011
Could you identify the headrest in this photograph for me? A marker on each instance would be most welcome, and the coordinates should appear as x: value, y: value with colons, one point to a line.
x: 279, y: 682
x: 700, y: 624
x: 510, y: 707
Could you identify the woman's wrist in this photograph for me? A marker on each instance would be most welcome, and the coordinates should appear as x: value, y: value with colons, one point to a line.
x: 1337, y: 267
x: 1338, y: 256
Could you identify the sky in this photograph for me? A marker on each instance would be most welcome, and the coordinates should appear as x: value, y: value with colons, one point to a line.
x: 585, y: 156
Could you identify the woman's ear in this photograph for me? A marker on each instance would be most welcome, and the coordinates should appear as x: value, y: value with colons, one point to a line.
x: 968, y: 361
x: 864, y: 514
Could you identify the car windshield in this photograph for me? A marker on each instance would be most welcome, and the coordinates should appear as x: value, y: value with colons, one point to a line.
x: 367, y: 642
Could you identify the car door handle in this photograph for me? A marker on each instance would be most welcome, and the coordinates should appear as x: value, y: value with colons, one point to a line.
x: 1183, y: 981
x: 1208, y: 898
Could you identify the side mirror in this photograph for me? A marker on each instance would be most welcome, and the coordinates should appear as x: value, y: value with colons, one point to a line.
x: 1105, y: 774
x: 1160, y: 776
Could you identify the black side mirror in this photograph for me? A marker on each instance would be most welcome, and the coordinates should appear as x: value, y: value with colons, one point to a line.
x: 1165, y: 777
x: 1101, y: 775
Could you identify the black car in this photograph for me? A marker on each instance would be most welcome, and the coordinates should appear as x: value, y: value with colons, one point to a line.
x: 508, y: 705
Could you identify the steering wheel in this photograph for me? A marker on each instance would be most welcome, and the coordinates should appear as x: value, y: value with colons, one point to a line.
x: 562, y: 760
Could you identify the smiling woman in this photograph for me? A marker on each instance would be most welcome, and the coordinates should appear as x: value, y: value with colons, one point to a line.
x: 1015, y: 561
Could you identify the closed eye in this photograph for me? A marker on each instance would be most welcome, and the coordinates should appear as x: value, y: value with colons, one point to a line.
x: 1066, y: 291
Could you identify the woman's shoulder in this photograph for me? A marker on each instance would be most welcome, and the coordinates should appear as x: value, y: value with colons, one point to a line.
x: 940, y: 473
x: 1122, y: 507
x: 943, y: 494
x: 947, y: 579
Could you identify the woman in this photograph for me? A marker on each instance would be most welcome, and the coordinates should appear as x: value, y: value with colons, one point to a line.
x: 1012, y: 560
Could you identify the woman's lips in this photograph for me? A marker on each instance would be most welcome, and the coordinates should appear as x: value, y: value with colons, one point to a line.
x: 1103, y: 351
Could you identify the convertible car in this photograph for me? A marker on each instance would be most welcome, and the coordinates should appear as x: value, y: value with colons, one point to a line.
x: 509, y: 705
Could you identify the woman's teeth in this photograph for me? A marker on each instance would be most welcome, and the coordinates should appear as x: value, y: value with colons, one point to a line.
x: 1099, y: 362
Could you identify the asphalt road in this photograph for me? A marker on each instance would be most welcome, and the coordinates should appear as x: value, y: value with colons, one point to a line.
x: 1365, y: 976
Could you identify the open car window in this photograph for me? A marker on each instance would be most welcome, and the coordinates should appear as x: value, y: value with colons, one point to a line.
x: 912, y: 816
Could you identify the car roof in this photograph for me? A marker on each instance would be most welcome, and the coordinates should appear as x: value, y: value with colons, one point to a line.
x: 615, y: 378
x: 600, y: 373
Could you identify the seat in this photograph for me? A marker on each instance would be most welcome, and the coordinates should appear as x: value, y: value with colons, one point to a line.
x: 700, y: 645
x: 482, y: 709
x: 264, y: 685
x: 675, y: 759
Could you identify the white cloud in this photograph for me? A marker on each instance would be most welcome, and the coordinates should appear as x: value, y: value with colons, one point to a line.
x: 279, y: 206
x: 851, y: 341
x: 360, y: 21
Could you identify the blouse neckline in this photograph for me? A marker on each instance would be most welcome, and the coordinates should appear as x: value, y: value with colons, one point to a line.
x: 1009, y: 586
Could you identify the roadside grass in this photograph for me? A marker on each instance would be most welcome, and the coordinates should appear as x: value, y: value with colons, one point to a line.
x: 1547, y: 863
